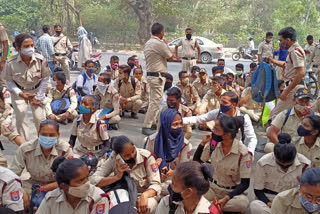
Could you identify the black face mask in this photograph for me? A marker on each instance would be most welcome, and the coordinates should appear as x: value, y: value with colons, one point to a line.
x: 172, y: 105
x: 131, y: 65
x: 131, y: 160
x: 176, y: 197
x: 167, y: 85
x: 216, y: 137
x: 189, y: 36
x: 58, y: 33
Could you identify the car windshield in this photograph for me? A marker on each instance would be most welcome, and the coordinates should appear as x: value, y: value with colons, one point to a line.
x: 175, y: 42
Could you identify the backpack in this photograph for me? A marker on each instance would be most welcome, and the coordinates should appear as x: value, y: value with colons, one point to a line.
x: 61, y: 106
x: 133, y: 83
x: 36, y: 198
x: 74, y: 85
x: 264, y: 83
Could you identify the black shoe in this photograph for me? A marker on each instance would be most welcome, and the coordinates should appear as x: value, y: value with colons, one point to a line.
x: 113, y: 127
x: 134, y: 115
x: 122, y: 114
x: 142, y: 111
x: 147, y: 131
x: 154, y: 127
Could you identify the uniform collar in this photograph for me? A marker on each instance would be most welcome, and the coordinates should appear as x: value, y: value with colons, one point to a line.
x: 317, y: 143
x: 296, y: 200
x: 64, y: 88
x: 19, y: 59
x: 61, y: 35
x: 155, y: 37
x: 38, y: 151
x: 93, y: 118
x: 272, y: 162
x: 109, y: 89
x: 202, y: 206
x: 188, y: 40
x: 140, y: 158
x: 294, y: 46
x: 234, y: 148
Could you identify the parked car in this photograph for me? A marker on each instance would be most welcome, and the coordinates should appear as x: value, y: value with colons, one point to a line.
x: 208, y: 49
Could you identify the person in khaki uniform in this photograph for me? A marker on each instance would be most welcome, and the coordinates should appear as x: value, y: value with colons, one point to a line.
x: 114, y: 67
x: 202, y: 85
x: 189, y: 92
x: 4, y: 50
x: 140, y: 164
x: 91, y: 131
x: 27, y: 75
x: 75, y: 193
x: 314, y: 61
x: 249, y: 106
x: 188, y: 51
x: 309, y: 144
x: 301, y: 200
x: 253, y: 67
x: 231, y: 84
x: 240, y: 76
x: 145, y: 89
x: 193, y: 74
x: 129, y: 89
x: 12, y: 192
x: 62, y: 45
x: 265, y: 48
x: 109, y: 99
x: 62, y: 90
x: 156, y: 52
x: 293, y: 69
x: 231, y: 161
x: 309, y: 49
x: 276, y: 172
x: 288, y: 121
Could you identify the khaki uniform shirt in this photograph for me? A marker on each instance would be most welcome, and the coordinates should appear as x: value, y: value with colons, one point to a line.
x: 268, y: 174
x: 251, y: 104
x: 234, y: 88
x: 202, y: 89
x: 89, y: 135
x: 291, y: 125
x: 313, y: 153
x: 156, y: 53
x: 145, y: 89
x: 145, y: 173
x: 188, y: 47
x: 229, y: 169
x: 55, y: 94
x: 115, y: 74
x: 55, y: 202
x: 294, y: 60
x: 190, y: 93
x: 29, y: 155
x: 3, y: 36
x: 202, y: 207
x: 314, y: 58
x: 11, y: 190
x: 265, y: 49
x: 5, y: 104
x: 288, y: 202
x: 28, y: 77
x: 316, y: 106
x: 192, y: 79
x: 212, y: 100
x: 63, y: 45
x: 127, y: 91
x: 184, y: 155
x: 110, y: 99
x: 311, y: 49
x: 240, y: 80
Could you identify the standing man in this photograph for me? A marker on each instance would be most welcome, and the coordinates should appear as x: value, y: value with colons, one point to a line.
x: 85, y: 48
x: 4, y: 48
x: 188, y: 51
x: 294, y: 69
x: 45, y: 47
x: 313, y: 61
x: 265, y: 49
x: 61, y: 45
x: 309, y: 49
x: 156, y: 52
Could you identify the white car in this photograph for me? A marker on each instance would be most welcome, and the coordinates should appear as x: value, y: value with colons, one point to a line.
x: 209, y: 50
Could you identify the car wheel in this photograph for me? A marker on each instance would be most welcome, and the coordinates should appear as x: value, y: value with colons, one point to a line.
x: 206, y: 57
x: 235, y: 56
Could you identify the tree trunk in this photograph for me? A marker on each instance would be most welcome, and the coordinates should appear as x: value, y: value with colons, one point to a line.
x: 308, y: 12
x: 77, y: 12
x: 143, y: 10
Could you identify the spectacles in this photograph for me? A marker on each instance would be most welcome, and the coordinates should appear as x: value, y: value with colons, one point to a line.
x: 310, y: 198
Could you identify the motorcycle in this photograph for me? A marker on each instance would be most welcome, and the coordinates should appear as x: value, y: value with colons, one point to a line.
x: 253, y: 55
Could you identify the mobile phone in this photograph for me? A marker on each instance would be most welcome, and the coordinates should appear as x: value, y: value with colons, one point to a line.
x: 118, y: 157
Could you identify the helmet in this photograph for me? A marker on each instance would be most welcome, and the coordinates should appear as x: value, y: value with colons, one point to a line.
x: 250, y: 38
x: 91, y: 161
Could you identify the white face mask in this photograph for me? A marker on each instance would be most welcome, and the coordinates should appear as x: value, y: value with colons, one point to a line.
x: 214, y: 89
x: 102, y: 88
x: 81, y: 191
x: 53, y: 83
x: 27, y: 51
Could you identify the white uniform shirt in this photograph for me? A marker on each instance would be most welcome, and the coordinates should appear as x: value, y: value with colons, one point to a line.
x: 88, y: 86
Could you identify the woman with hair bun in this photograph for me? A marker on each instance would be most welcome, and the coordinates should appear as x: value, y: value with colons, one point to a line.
x: 276, y: 172
x: 190, y: 181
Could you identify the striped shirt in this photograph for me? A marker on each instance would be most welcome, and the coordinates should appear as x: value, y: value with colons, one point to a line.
x: 45, y: 47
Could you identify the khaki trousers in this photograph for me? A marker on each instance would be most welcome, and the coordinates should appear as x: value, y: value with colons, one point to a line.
x: 259, y: 207
x: 188, y: 64
x: 20, y: 107
x: 156, y: 91
x: 134, y: 106
x: 64, y: 63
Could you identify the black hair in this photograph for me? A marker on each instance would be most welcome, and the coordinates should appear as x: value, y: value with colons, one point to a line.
x: 114, y: 57
x: 134, y: 70
x: 214, y: 69
x: 130, y: 59
x: 195, y: 68
x: 118, y: 143
x: 18, y: 40
x: 45, y: 28
x: 49, y: 122
x: 221, y: 60
x: 253, y: 65
x: 284, y: 151
x: 174, y: 91
x: 309, y: 37
x: 234, y: 97
x: 58, y: 69
x: 126, y: 69
x: 168, y: 76
x: 288, y: 33
x: 224, y: 75
x: 315, y: 122
x: 61, y: 77
x: 195, y: 175
x: 231, y: 124
x: 269, y: 34
x: 14, y: 44
x: 156, y: 29
x: 230, y: 74
x: 188, y: 29
x: 57, y: 26
x: 89, y: 62
x: 310, y: 177
x: 134, y: 56
x: 218, y: 80
x: 106, y: 77
x: 279, y: 83
x: 66, y: 169
x: 240, y: 65
x: 182, y: 72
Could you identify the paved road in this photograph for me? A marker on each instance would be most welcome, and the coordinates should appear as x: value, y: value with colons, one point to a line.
x: 129, y: 127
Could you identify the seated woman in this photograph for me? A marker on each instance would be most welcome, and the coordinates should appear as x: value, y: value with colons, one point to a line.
x: 75, y: 193
x: 309, y: 144
x: 169, y: 145
x: 190, y: 180
x: 276, y: 172
x: 232, y: 163
x: 139, y: 164
x: 303, y: 199
x: 38, y: 155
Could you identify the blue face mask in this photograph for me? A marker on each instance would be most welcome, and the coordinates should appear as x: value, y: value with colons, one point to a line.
x: 175, y: 132
x: 47, y: 142
x: 224, y: 108
x: 84, y: 110
x: 303, y: 132
x: 310, y: 207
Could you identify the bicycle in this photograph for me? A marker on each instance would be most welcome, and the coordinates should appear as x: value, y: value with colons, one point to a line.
x: 312, y: 84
